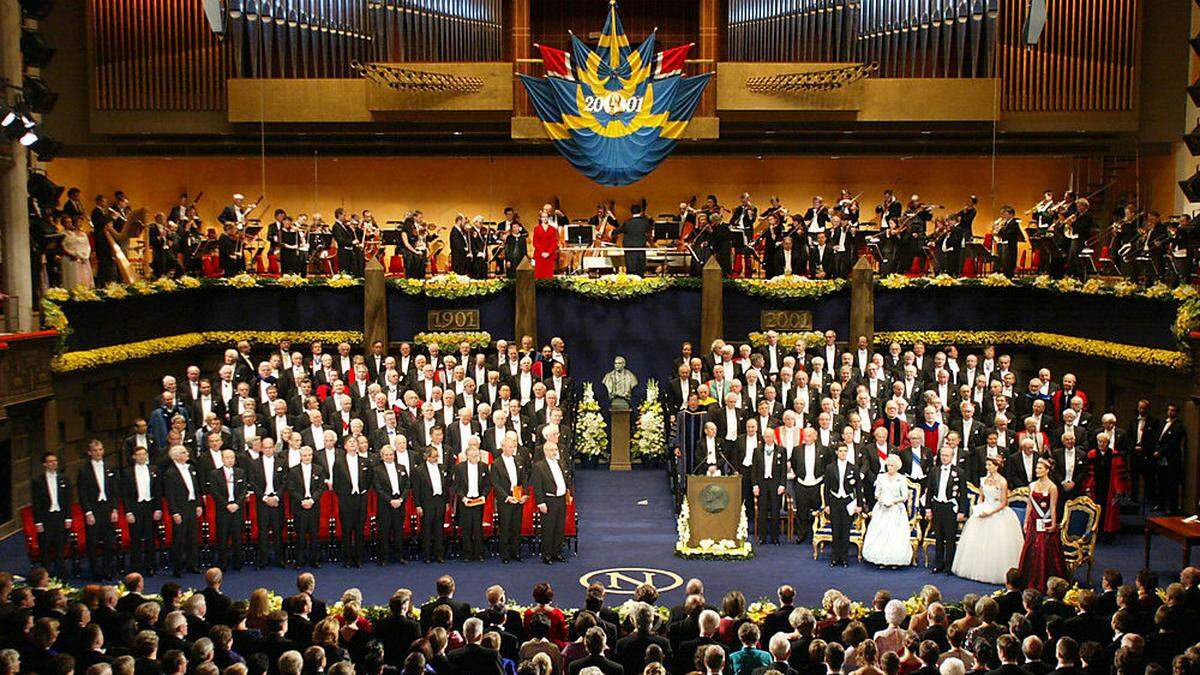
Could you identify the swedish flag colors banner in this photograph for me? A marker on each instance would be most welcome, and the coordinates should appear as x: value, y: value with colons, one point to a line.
x: 615, y: 112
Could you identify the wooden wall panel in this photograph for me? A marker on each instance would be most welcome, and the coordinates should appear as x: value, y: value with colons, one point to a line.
x: 155, y: 55
x: 1086, y: 61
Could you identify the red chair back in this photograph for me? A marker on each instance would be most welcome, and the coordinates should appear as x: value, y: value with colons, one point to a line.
x: 33, y: 547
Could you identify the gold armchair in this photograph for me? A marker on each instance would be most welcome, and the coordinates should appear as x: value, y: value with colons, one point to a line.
x: 1079, y: 530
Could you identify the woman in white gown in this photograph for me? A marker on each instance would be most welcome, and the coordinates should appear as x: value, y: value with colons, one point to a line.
x: 77, y: 254
x: 992, y: 539
x: 886, y: 541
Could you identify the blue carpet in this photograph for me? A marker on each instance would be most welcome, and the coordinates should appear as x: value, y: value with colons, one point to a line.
x: 619, y: 532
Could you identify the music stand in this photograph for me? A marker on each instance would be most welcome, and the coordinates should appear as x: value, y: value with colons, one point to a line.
x: 207, y: 247
x: 579, y: 235
x: 666, y: 230
x: 392, y: 238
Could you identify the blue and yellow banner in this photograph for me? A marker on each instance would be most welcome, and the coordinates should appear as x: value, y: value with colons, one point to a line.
x: 615, y: 112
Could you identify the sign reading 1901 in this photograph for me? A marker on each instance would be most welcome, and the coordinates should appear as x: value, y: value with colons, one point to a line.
x: 786, y: 319
x: 453, y: 319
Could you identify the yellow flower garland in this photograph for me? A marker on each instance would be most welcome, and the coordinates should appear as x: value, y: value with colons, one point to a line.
x: 102, y: 356
x: 1109, y: 350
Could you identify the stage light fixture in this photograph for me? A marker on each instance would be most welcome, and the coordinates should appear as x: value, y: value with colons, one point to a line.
x: 37, y: 9
x: 41, y: 188
x: 15, y: 121
x: 35, y: 49
x: 29, y: 137
x: 1191, y: 187
x: 1192, y: 140
x: 46, y: 148
x: 41, y: 98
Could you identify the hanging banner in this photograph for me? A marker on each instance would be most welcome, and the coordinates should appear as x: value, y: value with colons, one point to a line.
x: 615, y: 112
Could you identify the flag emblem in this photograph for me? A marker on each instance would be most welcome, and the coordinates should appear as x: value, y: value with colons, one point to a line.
x: 614, y: 112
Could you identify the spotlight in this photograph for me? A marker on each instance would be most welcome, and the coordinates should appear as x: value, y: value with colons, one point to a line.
x: 1191, y: 187
x: 40, y: 98
x: 37, y: 9
x: 36, y: 50
x: 46, y: 148
x: 15, y: 121
x: 1193, y: 141
x: 29, y: 137
x: 44, y: 190
x: 1194, y: 92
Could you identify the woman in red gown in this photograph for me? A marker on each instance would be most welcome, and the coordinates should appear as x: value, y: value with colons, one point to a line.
x: 545, y: 247
x: 1042, y: 556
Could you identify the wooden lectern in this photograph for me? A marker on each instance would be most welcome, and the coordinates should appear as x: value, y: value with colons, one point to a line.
x: 714, y: 507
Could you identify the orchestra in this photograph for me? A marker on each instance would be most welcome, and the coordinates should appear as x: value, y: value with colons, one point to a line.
x: 1060, y: 236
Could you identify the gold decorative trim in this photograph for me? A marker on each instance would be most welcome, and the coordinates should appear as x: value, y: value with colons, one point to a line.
x: 817, y: 80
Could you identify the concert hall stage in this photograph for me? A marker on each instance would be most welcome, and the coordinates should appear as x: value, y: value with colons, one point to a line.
x: 619, y: 533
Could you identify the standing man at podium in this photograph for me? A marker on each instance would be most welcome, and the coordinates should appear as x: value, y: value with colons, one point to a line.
x: 842, y: 487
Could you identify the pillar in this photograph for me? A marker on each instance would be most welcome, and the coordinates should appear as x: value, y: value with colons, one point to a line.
x: 709, y: 48
x: 18, y: 270
x: 712, y: 304
x: 375, y: 322
x: 526, y: 303
x: 520, y: 47
x: 862, y: 301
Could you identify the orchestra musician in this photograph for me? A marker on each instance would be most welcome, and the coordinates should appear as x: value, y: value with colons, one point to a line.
x: 1078, y: 232
x: 889, y: 211
x: 189, y: 240
x: 460, y: 247
x: 771, y: 237
x: 546, y: 242
x: 412, y: 241
x: 849, y: 207
x: 102, y: 224
x: 478, y: 266
x: 1177, y: 248
x: 635, y: 235
x: 348, y: 250
x: 841, y: 237
x: 1151, y: 244
x: 1042, y: 214
x: 516, y: 243
x: 230, y: 245
x: 916, y: 219
x: 1007, y: 233
x: 178, y: 213
x: 292, y: 245
x: 816, y: 219
x: 741, y: 227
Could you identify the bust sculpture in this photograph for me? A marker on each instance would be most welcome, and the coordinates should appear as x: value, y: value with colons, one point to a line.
x: 620, y: 383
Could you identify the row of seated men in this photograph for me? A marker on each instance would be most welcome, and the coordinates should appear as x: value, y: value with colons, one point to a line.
x: 911, y: 404
x: 405, y: 490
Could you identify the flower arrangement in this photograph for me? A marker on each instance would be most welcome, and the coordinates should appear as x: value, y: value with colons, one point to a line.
x: 342, y: 280
x: 115, y: 291
x: 996, y: 280
x: 1109, y: 350
x: 789, y: 340
x: 789, y: 286
x: 186, y: 281
x: 613, y: 286
x: 760, y: 609
x: 648, y: 441
x: 943, y: 280
x: 242, y: 280
x: 291, y: 280
x: 895, y: 281
x: 709, y: 549
x: 449, y: 341
x: 590, y: 428
x: 450, y: 286
x: 57, y: 294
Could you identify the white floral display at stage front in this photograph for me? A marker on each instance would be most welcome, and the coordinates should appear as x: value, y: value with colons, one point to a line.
x: 648, y: 441
x: 590, y: 427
